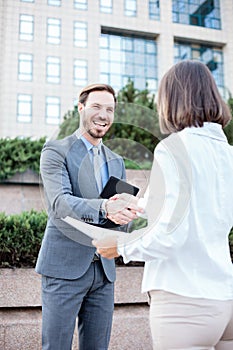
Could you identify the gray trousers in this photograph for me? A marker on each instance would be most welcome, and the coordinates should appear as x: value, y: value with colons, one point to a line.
x: 90, y: 298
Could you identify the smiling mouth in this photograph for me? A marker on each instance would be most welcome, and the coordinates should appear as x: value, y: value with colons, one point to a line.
x: 103, y: 124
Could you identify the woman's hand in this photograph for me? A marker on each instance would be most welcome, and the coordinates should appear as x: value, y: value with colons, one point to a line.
x: 122, y: 208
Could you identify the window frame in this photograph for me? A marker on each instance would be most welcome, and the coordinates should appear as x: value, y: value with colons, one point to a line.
x: 182, y: 12
x: 106, y: 9
x: 50, y: 78
x: 49, y: 119
x: 129, y: 12
x: 197, y: 51
x: 82, y: 26
x: 24, y: 118
x: 78, y: 66
x: 122, y: 54
x: 27, y: 35
x: 23, y: 74
x: 80, y: 5
x: 54, y: 39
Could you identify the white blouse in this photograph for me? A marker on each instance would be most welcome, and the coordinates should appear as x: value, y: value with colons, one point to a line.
x: 190, y: 213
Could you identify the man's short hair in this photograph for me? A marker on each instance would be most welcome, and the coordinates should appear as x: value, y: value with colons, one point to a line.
x: 95, y: 87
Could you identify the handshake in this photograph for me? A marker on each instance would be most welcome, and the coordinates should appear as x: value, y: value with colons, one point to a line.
x: 122, y: 208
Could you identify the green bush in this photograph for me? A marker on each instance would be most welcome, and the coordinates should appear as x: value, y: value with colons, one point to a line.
x: 18, y: 155
x: 20, y: 238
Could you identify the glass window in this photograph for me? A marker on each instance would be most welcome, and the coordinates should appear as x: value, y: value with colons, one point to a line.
x: 154, y: 11
x: 211, y: 56
x: 106, y: 6
x: 53, y: 30
x: 124, y: 57
x: 80, y: 34
x: 203, y: 13
x: 26, y: 27
x: 53, y: 70
x: 131, y: 8
x: 24, y: 108
x: 80, y: 72
x: 80, y: 4
x: 25, y: 64
x: 54, y: 2
x: 52, y: 110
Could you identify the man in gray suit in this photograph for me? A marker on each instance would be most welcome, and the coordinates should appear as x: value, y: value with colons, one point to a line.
x: 76, y: 282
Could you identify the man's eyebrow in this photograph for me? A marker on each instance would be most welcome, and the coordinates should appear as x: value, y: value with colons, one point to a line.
x: 102, y: 105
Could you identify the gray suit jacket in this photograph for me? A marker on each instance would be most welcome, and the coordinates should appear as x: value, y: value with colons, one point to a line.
x: 70, y: 189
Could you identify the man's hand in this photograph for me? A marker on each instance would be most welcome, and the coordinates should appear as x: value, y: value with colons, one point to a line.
x: 122, y: 208
x: 107, y: 247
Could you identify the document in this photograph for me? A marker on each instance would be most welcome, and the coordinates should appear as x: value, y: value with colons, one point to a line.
x: 95, y: 232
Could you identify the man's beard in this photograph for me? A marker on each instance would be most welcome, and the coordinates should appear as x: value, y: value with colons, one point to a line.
x: 96, y: 134
x: 93, y: 131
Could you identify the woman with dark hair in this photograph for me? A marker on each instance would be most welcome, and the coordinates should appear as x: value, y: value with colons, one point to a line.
x: 188, y: 270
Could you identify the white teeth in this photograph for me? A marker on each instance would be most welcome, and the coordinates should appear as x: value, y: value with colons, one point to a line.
x: 100, y: 124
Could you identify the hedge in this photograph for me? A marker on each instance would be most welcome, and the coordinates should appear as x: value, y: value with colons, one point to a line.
x: 21, y: 236
x: 19, y: 155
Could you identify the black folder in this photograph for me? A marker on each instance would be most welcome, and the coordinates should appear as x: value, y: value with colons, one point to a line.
x: 112, y: 187
x: 115, y: 186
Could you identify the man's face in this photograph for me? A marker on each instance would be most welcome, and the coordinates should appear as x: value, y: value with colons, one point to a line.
x: 97, y: 115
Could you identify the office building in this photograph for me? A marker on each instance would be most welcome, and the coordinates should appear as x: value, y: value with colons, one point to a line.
x: 50, y: 49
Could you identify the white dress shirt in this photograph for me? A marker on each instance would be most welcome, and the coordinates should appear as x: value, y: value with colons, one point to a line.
x: 190, y: 214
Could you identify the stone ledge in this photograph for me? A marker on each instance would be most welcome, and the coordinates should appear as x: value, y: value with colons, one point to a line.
x: 24, y: 191
x: 27, y: 177
x: 138, y: 177
x: 21, y: 329
x: 131, y: 329
x: 22, y: 287
x: 19, y: 288
x: 20, y: 311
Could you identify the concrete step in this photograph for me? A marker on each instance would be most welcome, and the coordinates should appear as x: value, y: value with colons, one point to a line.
x: 20, y: 311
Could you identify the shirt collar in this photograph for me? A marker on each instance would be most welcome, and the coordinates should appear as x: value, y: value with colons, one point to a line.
x: 212, y: 130
x: 87, y: 143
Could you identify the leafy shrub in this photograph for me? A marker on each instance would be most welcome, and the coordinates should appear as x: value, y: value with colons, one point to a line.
x: 18, y: 155
x: 20, y: 238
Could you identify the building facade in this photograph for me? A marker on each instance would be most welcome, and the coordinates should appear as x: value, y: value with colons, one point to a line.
x: 50, y: 49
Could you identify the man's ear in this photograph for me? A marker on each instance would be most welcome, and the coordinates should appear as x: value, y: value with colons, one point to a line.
x: 80, y: 107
